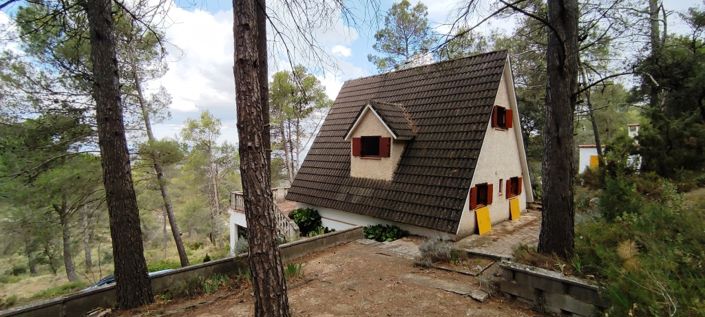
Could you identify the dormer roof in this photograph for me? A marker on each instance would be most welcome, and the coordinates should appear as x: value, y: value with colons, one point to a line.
x: 393, y: 116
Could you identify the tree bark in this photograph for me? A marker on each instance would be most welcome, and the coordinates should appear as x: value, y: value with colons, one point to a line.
x: 558, y: 167
x: 133, y: 287
x: 168, y: 207
x: 655, y: 39
x: 88, y: 257
x: 66, y: 241
x: 285, y: 145
x: 253, y: 132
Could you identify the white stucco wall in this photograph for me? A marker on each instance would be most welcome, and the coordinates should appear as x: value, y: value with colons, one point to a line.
x: 584, y: 158
x: 376, y: 168
x: 341, y: 220
x: 502, y: 157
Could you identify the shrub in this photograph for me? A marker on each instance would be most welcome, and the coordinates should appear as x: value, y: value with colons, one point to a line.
x: 214, y: 283
x: 307, y: 219
x: 17, y: 269
x: 590, y: 178
x: 7, y: 302
x: 293, y: 270
x: 618, y: 197
x: 434, y: 250
x: 649, y: 258
x: 206, y: 258
x: 163, y: 265
x: 383, y: 233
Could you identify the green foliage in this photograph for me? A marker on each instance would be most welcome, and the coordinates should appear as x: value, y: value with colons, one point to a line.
x: 165, y: 152
x: 60, y: 290
x: 214, y: 283
x: 163, y: 265
x: 649, y: 257
x: 383, y: 233
x: 307, y: 219
x: 206, y: 258
x: 405, y: 33
x: 619, y: 197
x: 7, y: 302
x: 17, y: 269
x: 293, y: 270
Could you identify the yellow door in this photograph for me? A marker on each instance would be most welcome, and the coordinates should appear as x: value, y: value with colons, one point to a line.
x: 484, y: 225
x: 514, y: 209
x: 594, y: 162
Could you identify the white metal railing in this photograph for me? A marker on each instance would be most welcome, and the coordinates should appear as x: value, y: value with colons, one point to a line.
x: 285, y: 226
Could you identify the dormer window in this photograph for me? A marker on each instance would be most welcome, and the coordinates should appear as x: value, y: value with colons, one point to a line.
x: 501, y: 117
x: 370, y: 146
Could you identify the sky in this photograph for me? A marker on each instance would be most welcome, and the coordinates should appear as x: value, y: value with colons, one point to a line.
x: 200, y: 52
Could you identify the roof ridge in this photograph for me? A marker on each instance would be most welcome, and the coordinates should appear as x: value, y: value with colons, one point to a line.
x: 397, y: 71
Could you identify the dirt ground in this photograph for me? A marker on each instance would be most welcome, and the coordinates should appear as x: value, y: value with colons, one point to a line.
x: 355, y: 279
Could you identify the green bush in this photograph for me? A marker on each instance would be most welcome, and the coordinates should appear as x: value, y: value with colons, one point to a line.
x: 650, y: 258
x: 383, y: 233
x: 309, y: 222
x: 214, y: 283
x: 619, y: 196
x: 7, y: 302
x: 163, y: 265
x: 17, y: 269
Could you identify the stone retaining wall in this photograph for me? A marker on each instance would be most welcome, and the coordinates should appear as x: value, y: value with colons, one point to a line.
x: 549, y: 291
x: 79, y: 304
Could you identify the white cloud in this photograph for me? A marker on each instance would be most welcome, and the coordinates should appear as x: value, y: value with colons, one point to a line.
x: 341, y: 50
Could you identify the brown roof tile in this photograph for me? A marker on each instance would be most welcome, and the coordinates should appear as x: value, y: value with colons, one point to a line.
x: 445, y: 107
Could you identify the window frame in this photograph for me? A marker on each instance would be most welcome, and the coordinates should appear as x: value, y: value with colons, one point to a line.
x: 363, y: 146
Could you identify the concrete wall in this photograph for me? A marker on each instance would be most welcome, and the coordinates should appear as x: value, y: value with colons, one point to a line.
x: 80, y: 303
x: 376, y: 168
x: 501, y: 157
x: 342, y: 220
x: 551, y: 292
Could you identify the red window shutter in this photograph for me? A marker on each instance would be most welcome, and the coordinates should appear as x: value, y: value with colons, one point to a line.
x: 489, y: 194
x: 356, y: 146
x: 509, y: 188
x: 494, y: 117
x: 384, y: 146
x: 508, y: 118
x: 473, y: 198
x: 519, y: 184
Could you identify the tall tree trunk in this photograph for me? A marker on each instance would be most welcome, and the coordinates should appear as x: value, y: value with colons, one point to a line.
x: 133, y: 287
x: 175, y: 231
x: 66, y: 241
x: 88, y: 257
x: 655, y: 39
x: 591, y: 114
x: 287, y: 160
x: 31, y: 263
x: 265, y: 262
x: 213, y: 196
x: 558, y: 167
x: 165, y: 236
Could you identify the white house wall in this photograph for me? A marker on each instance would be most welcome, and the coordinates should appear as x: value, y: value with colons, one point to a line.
x: 585, y: 154
x: 341, y: 220
x: 500, y: 157
x: 376, y: 168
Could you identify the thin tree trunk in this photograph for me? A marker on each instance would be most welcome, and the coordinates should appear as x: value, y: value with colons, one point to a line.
x: 50, y: 258
x: 31, y: 263
x: 298, y: 142
x: 66, y: 242
x: 558, y: 167
x: 133, y: 286
x: 595, y: 128
x: 265, y: 262
x: 287, y: 160
x: 88, y: 261
x: 165, y: 236
x: 169, y: 209
x: 655, y: 39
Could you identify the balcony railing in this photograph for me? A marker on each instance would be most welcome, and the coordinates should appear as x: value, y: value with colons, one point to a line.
x: 286, y: 227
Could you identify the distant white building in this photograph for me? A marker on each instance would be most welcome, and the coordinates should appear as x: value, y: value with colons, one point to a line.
x: 633, y: 130
x: 588, y: 157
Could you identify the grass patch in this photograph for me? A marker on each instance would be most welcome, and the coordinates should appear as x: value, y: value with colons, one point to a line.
x: 60, y: 290
x: 293, y: 270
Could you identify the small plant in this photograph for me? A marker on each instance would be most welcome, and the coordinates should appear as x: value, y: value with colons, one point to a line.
x: 307, y: 219
x: 206, y: 258
x: 293, y: 270
x: 241, y: 246
x: 434, y: 250
x: 384, y: 233
x: 214, y: 283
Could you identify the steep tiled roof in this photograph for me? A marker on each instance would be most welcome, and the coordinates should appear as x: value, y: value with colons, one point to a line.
x: 450, y: 104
